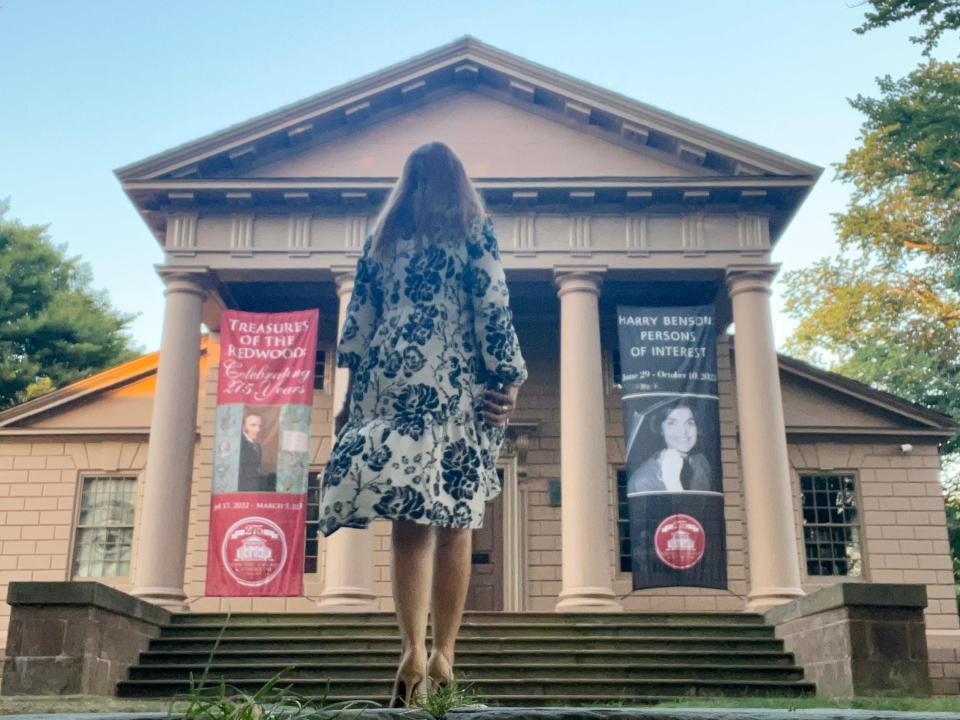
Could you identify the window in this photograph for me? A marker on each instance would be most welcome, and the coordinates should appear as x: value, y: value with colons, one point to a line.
x: 831, y: 525
x: 311, y: 547
x: 104, y: 534
x: 623, y: 522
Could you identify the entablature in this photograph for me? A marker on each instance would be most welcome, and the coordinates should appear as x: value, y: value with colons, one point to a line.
x: 529, y: 240
x: 305, y: 216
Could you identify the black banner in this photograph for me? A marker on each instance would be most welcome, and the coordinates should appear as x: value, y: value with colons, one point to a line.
x: 671, y: 421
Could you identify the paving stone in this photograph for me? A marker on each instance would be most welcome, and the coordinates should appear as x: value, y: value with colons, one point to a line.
x: 586, y: 713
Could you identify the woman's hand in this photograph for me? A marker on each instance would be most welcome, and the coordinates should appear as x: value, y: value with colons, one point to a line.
x: 343, y: 414
x: 498, y: 405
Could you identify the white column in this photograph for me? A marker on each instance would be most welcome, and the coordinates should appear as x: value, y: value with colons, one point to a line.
x: 771, y: 533
x: 585, y: 512
x: 161, y: 555
x: 348, y: 553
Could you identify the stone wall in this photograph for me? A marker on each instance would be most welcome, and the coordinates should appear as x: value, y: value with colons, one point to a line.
x: 74, y: 638
x: 857, y: 639
x: 944, y: 670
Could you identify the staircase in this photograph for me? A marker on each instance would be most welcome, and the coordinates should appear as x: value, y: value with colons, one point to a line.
x: 506, y: 658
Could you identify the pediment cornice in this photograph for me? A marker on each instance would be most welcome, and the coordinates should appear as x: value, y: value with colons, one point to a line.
x: 465, y: 64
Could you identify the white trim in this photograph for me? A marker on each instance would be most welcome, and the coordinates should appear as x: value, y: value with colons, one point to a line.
x: 514, y: 538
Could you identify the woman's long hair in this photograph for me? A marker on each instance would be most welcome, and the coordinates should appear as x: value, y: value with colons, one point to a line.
x: 433, y: 201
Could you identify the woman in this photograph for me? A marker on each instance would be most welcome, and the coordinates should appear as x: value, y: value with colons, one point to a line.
x: 434, y: 371
x: 676, y: 467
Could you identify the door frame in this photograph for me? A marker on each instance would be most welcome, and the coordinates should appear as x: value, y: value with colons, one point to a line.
x: 514, y: 566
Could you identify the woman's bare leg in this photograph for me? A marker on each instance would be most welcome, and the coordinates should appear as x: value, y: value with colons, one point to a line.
x: 451, y: 580
x: 412, y: 572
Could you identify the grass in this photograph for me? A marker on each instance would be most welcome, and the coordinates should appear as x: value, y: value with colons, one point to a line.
x: 270, y: 702
x: 441, y: 698
x: 48, y: 704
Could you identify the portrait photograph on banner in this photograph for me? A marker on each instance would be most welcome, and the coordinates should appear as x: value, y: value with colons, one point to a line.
x: 671, y: 421
x: 261, y: 453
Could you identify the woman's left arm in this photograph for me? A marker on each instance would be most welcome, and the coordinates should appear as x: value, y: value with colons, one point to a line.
x: 493, y: 321
x: 363, y: 313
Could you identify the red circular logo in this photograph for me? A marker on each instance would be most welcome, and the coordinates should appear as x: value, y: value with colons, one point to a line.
x: 254, y: 551
x: 680, y: 541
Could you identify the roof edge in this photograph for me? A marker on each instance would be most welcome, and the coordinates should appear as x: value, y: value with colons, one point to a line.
x: 889, y: 402
x: 469, y: 47
x: 101, y: 382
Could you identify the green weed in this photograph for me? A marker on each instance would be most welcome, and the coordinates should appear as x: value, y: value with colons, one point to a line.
x: 441, y: 698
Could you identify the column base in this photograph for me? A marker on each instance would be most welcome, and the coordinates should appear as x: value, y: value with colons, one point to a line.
x: 172, y: 599
x: 588, y: 599
x: 348, y: 599
x: 762, y: 600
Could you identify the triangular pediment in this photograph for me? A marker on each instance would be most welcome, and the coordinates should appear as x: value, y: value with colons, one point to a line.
x: 494, y: 139
x: 297, y: 137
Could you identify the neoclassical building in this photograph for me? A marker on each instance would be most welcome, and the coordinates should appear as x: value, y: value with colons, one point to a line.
x: 598, y: 200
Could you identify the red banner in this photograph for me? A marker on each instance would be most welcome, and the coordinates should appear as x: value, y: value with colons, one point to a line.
x: 261, y: 453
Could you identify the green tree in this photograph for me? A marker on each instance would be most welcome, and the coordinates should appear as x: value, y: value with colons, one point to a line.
x: 935, y: 16
x: 886, y: 309
x: 54, y: 328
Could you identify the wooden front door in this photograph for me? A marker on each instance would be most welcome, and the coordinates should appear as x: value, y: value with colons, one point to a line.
x: 486, y: 577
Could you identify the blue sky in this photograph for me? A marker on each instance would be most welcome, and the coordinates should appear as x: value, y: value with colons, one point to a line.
x: 86, y: 87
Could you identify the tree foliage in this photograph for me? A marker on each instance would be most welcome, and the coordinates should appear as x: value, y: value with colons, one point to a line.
x: 54, y: 328
x: 935, y: 16
x: 886, y: 311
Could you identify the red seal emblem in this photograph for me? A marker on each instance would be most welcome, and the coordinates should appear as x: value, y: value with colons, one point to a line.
x: 680, y: 541
x: 254, y: 551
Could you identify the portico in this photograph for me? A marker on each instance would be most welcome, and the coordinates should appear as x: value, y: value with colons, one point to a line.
x: 588, y: 192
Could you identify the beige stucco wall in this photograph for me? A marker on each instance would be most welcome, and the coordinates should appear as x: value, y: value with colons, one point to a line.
x: 493, y: 138
x: 39, y: 489
x: 903, y: 519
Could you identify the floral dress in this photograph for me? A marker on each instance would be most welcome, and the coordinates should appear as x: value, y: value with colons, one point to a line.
x: 424, y: 336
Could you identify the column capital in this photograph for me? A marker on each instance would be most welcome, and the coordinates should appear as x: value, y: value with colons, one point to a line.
x: 578, y: 278
x: 344, y: 278
x: 750, y: 278
x: 185, y: 279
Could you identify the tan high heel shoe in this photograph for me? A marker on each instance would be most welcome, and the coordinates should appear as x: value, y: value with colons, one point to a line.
x: 410, y: 683
x: 439, y: 669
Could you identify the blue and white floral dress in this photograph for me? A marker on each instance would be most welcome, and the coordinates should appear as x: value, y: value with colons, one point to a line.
x: 423, y: 337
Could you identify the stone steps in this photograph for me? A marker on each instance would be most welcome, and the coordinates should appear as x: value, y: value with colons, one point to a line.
x: 468, y: 631
x: 469, y: 617
x: 614, y: 656
x: 516, y: 658
x: 556, y: 644
x: 504, y: 690
x: 468, y: 671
